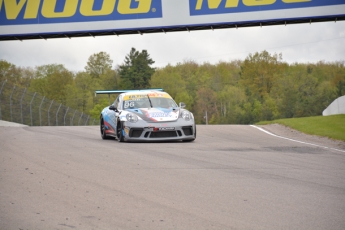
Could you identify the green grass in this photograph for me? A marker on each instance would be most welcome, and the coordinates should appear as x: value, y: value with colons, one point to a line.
x: 328, y: 126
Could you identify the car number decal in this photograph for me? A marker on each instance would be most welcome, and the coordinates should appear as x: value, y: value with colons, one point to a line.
x: 129, y: 104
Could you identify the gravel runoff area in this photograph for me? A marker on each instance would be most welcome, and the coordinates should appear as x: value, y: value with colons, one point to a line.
x: 277, y: 129
x: 283, y: 131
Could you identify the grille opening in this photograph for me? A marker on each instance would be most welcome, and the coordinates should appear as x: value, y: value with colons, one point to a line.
x: 179, y: 133
x: 163, y: 134
x: 146, y: 134
x: 135, y: 132
x: 188, y: 130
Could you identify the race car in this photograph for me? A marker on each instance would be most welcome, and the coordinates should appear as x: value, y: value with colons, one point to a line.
x: 146, y: 115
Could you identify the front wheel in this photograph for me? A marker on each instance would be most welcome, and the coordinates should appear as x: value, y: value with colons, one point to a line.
x: 119, y: 132
x: 102, y: 129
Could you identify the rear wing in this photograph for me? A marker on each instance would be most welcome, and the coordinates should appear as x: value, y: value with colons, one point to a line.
x: 125, y: 91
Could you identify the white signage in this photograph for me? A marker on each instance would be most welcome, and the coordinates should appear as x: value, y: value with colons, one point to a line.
x: 23, y: 19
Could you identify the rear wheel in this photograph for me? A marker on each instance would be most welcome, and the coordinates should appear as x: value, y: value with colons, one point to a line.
x: 119, y: 132
x: 102, y: 129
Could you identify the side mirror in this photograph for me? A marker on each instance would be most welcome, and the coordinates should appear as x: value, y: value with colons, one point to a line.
x: 182, y: 105
x: 112, y: 107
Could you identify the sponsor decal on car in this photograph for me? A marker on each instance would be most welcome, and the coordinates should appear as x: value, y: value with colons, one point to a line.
x: 159, y: 114
x: 138, y: 96
x: 126, y: 129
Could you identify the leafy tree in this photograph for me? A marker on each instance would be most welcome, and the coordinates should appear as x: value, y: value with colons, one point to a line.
x: 51, y: 81
x: 168, y: 79
x: 206, y: 102
x: 136, y: 72
x: 81, y: 93
x: 189, y: 73
x: 27, y: 74
x: 97, y: 109
x: 325, y: 95
x: 259, y: 73
x: 204, y: 75
x: 185, y: 98
x: 339, y: 82
x: 229, y: 101
x: 286, y: 92
x: 5, y: 68
x: 226, y: 73
x: 269, y: 109
x: 110, y: 80
x: 247, y: 115
x: 98, y: 64
x: 338, y: 78
x: 15, y: 75
x: 98, y: 75
x: 306, y: 92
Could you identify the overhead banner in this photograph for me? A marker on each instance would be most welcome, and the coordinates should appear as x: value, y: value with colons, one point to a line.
x: 26, y: 12
x: 208, y: 7
x: 31, y: 19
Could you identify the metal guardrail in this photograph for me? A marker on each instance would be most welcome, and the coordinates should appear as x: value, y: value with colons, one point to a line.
x: 21, y: 106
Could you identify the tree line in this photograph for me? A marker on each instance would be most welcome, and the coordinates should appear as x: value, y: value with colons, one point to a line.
x: 261, y: 87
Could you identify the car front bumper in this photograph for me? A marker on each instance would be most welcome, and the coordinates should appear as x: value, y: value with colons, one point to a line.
x: 160, y: 131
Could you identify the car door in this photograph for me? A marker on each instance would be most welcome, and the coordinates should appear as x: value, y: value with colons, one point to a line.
x: 116, y: 114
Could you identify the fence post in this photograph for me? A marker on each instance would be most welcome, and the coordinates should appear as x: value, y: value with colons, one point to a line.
x: 57, y: 114
x: 49, y: 112
x: 206, y: 117
x: 87, y: 119
x: 64, y: 117
x: 0, y: 97
x: 39, y: 110
x: 21, y: 106
x: 32, y: 99
x: 73, y: 116
x: 11, y: 101
x: 80, y: 118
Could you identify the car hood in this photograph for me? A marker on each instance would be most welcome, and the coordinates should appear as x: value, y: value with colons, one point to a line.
x: 156, y: 114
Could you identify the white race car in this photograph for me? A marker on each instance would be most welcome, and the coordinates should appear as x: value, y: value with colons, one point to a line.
x: 146, y: 115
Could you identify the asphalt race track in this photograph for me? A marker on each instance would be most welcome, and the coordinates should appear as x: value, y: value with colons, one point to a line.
x: 231, y: 177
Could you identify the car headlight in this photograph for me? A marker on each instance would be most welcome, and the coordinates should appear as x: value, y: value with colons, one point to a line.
x: 186, y: 115
x: 131, y: 117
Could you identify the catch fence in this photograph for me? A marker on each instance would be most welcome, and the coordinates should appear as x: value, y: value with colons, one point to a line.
x: 22, y: 106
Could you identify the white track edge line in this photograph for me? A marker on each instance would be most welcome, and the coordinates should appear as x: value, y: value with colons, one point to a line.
x: 265, y: 131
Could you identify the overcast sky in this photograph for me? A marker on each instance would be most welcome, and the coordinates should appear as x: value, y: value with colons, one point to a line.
x: 303, y: 43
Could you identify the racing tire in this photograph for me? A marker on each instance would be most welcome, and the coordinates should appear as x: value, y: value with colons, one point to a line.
x: 119, y: 132
x: 102, y: 129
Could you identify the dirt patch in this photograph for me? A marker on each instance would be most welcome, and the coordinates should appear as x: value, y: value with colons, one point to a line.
x: 287, y: 132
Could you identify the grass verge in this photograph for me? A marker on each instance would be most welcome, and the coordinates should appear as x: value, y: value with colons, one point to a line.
x: 328, y: 126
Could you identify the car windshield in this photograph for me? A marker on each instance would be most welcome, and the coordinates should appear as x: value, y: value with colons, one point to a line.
x: 157, y: 102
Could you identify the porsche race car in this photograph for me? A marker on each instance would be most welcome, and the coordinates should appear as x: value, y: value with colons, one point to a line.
x: 146, y: 115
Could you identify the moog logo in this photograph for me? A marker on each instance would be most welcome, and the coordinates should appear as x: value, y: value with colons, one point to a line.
x: 14, y: 12
x: 203, y: 7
